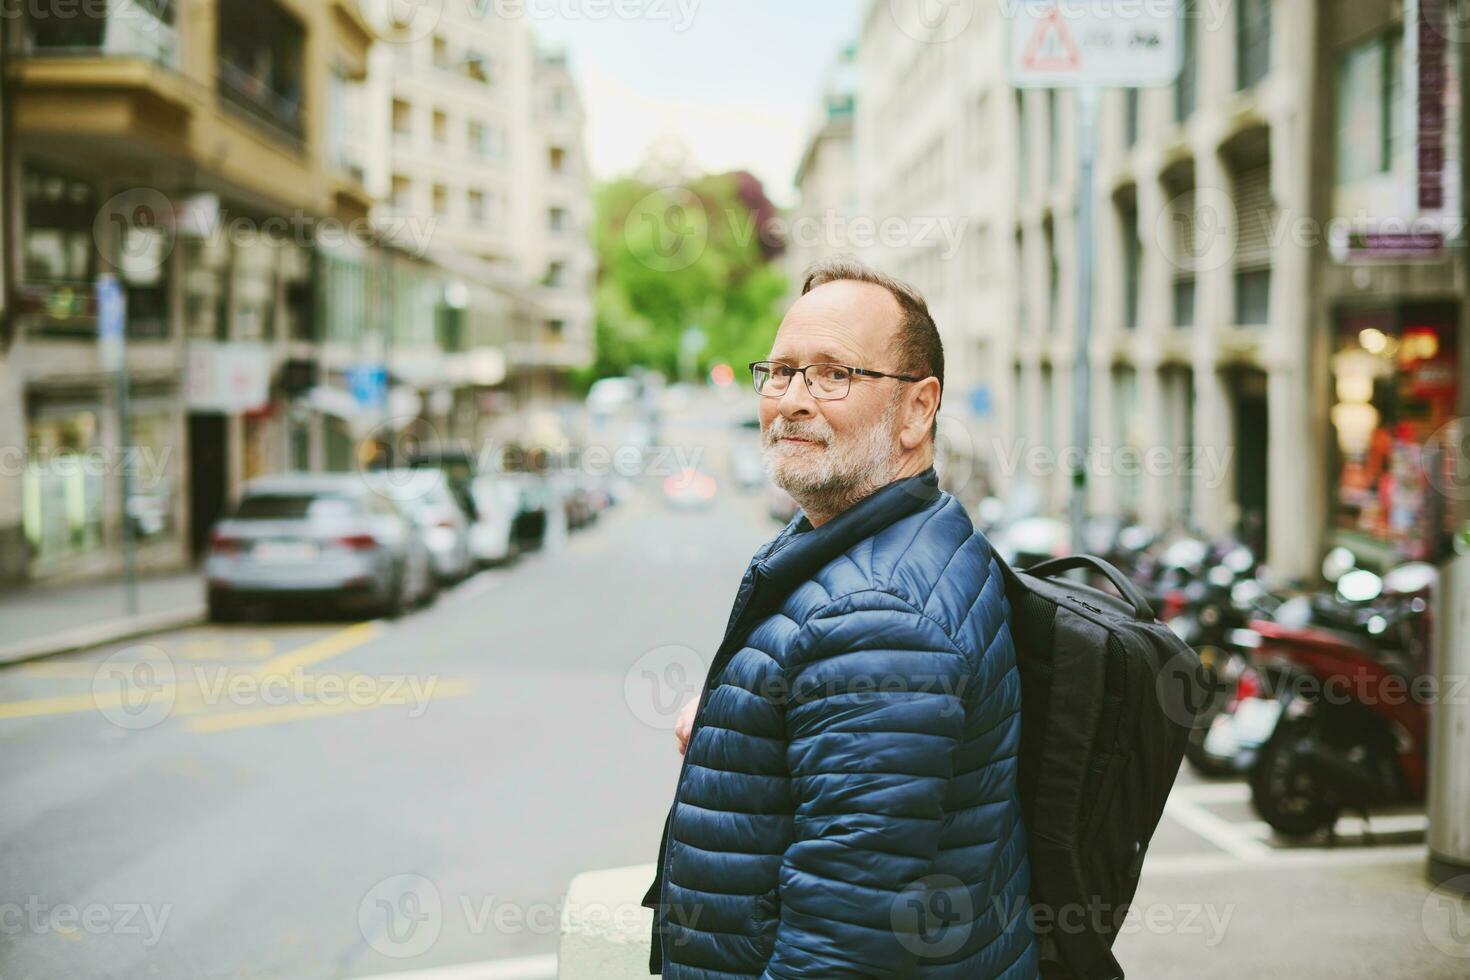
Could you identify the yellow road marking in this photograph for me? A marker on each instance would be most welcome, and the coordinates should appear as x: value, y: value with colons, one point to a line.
x: 327, y: 647
x: 250, y: 717
x: 68, y: 704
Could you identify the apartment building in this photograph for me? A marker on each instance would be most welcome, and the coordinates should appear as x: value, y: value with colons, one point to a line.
x: 479, y: 140
x: 1241, y: 266
x: 190, y: 151
x: 826, y: 178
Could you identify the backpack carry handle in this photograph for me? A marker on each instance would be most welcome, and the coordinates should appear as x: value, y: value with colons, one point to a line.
x: 1049, y: 569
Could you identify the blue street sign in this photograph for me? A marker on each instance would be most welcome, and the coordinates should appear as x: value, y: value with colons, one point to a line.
x: 112, y: 310
x: 980, y: 401
x: 368, y: 384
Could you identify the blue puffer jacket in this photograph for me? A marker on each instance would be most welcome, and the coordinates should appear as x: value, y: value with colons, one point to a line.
x: 847, y: 806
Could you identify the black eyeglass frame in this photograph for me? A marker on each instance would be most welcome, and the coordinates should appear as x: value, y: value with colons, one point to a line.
x: 857, y: 371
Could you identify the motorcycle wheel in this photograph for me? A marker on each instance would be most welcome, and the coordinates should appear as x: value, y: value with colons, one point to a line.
x: 1202, y: 762
x: 1283, y: 791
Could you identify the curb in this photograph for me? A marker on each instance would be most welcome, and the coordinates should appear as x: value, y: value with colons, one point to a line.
x: 108, y: 631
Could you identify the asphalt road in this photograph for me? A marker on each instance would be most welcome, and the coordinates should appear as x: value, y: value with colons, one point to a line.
x: 338, y: 800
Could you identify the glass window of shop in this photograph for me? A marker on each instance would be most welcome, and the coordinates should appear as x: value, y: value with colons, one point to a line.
x: 152, y: 470
x: 1396, y: 391
x: 64, y: 484
x: 253, y: 290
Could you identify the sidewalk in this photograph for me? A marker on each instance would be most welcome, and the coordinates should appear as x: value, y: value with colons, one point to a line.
x: 40, y: 620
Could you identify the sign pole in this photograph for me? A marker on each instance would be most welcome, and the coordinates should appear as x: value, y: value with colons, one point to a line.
x: 112, y: 352
x: 1087, y: 110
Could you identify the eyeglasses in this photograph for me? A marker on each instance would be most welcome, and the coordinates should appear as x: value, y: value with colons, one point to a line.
x: 828, y: 382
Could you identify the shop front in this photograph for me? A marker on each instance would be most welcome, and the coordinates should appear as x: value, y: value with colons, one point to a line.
x: 1398, y: 429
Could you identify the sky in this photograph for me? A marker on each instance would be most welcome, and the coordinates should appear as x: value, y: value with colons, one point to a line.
x: 736, y: 81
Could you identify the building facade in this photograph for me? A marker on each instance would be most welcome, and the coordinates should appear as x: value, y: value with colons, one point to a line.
x: 1238, y: 260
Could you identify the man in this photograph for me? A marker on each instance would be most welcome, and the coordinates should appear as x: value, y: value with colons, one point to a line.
x: 847, y: 805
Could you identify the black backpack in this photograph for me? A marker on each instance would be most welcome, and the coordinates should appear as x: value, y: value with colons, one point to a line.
x: 1108, y: 694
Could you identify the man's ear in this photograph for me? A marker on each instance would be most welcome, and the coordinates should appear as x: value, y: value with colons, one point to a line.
x: 920, y: 407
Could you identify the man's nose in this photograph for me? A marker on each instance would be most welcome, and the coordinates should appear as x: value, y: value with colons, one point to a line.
x: 797, y: 401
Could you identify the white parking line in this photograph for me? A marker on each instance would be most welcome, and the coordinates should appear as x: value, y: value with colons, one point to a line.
x: 1172, y: 865
x: 521, y: 968
x: 1389, y: 823
x: 1213, y: 792
x: 1217, y: 830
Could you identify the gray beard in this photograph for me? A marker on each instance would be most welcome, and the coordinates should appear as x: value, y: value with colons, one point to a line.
x: 846, y: 473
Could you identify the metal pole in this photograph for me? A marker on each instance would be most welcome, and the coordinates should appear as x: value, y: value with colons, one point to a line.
x: 1087, y: 107
x: 130, y: 561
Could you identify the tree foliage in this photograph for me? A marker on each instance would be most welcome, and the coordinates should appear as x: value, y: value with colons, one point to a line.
x: 682, y: 256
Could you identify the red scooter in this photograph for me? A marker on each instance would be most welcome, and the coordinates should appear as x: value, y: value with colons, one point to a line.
x: 1347, y: 674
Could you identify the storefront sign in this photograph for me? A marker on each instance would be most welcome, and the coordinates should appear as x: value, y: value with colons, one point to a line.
x: 226, y: 377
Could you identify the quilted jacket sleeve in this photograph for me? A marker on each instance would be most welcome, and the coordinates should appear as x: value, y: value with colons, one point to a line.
x: 875, y: 710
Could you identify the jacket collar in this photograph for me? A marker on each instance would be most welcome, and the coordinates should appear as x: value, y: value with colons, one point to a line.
x: 800, y: 549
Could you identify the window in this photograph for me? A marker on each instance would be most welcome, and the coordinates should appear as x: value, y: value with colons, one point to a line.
x: 1053, y: 275
x: 59, y: 215
x: 556, y: 275
x: 1370, y: 109
x: 402, y: 118
x: 1053, y: 138
x: 441, y: 127
x: 556, y: 159
x: 1255, y: 220
x: 556, y: 219
x: 477, y: 67
x: 1186, y: 88
x: 1252, y: 41
x: 1184, y: 301
x: 556, y: 328
x: 476, y: 140
x: 477, y: 207
x: 441, y: 53
x: 402, y: 192
x: 1023, y: 155
x: 441, y: 200
x: 1132, y: 253
x: 261, y: 63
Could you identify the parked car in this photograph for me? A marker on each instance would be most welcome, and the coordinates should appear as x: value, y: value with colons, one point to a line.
x: 314, y: 538
x: 426, y: 496
x: 779, y: 504
x: 689, y: 489
x: 572, y: 494
x: 496, y: 502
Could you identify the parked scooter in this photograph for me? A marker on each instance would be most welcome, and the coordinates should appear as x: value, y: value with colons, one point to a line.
x: 1344, y: 729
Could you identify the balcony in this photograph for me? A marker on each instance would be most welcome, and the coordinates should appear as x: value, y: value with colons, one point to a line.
x: 261, y: 65
x: 109, y: 74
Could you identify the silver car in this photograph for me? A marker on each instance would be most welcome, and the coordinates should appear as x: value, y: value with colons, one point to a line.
x: 427, y: 498
x: 315, y: 537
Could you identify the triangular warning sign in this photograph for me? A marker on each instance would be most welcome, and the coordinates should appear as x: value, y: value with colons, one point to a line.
x: 1051, y: 48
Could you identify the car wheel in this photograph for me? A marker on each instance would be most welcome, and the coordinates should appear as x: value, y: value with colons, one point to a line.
x: 222, y: 610
x: 397, y: 601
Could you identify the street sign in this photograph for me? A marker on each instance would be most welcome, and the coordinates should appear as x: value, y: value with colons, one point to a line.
x: 368, y: 384
x: 1094, y: 43
x: 112, y: 309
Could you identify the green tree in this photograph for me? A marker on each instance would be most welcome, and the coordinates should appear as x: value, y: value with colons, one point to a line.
x: 676, y: 257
